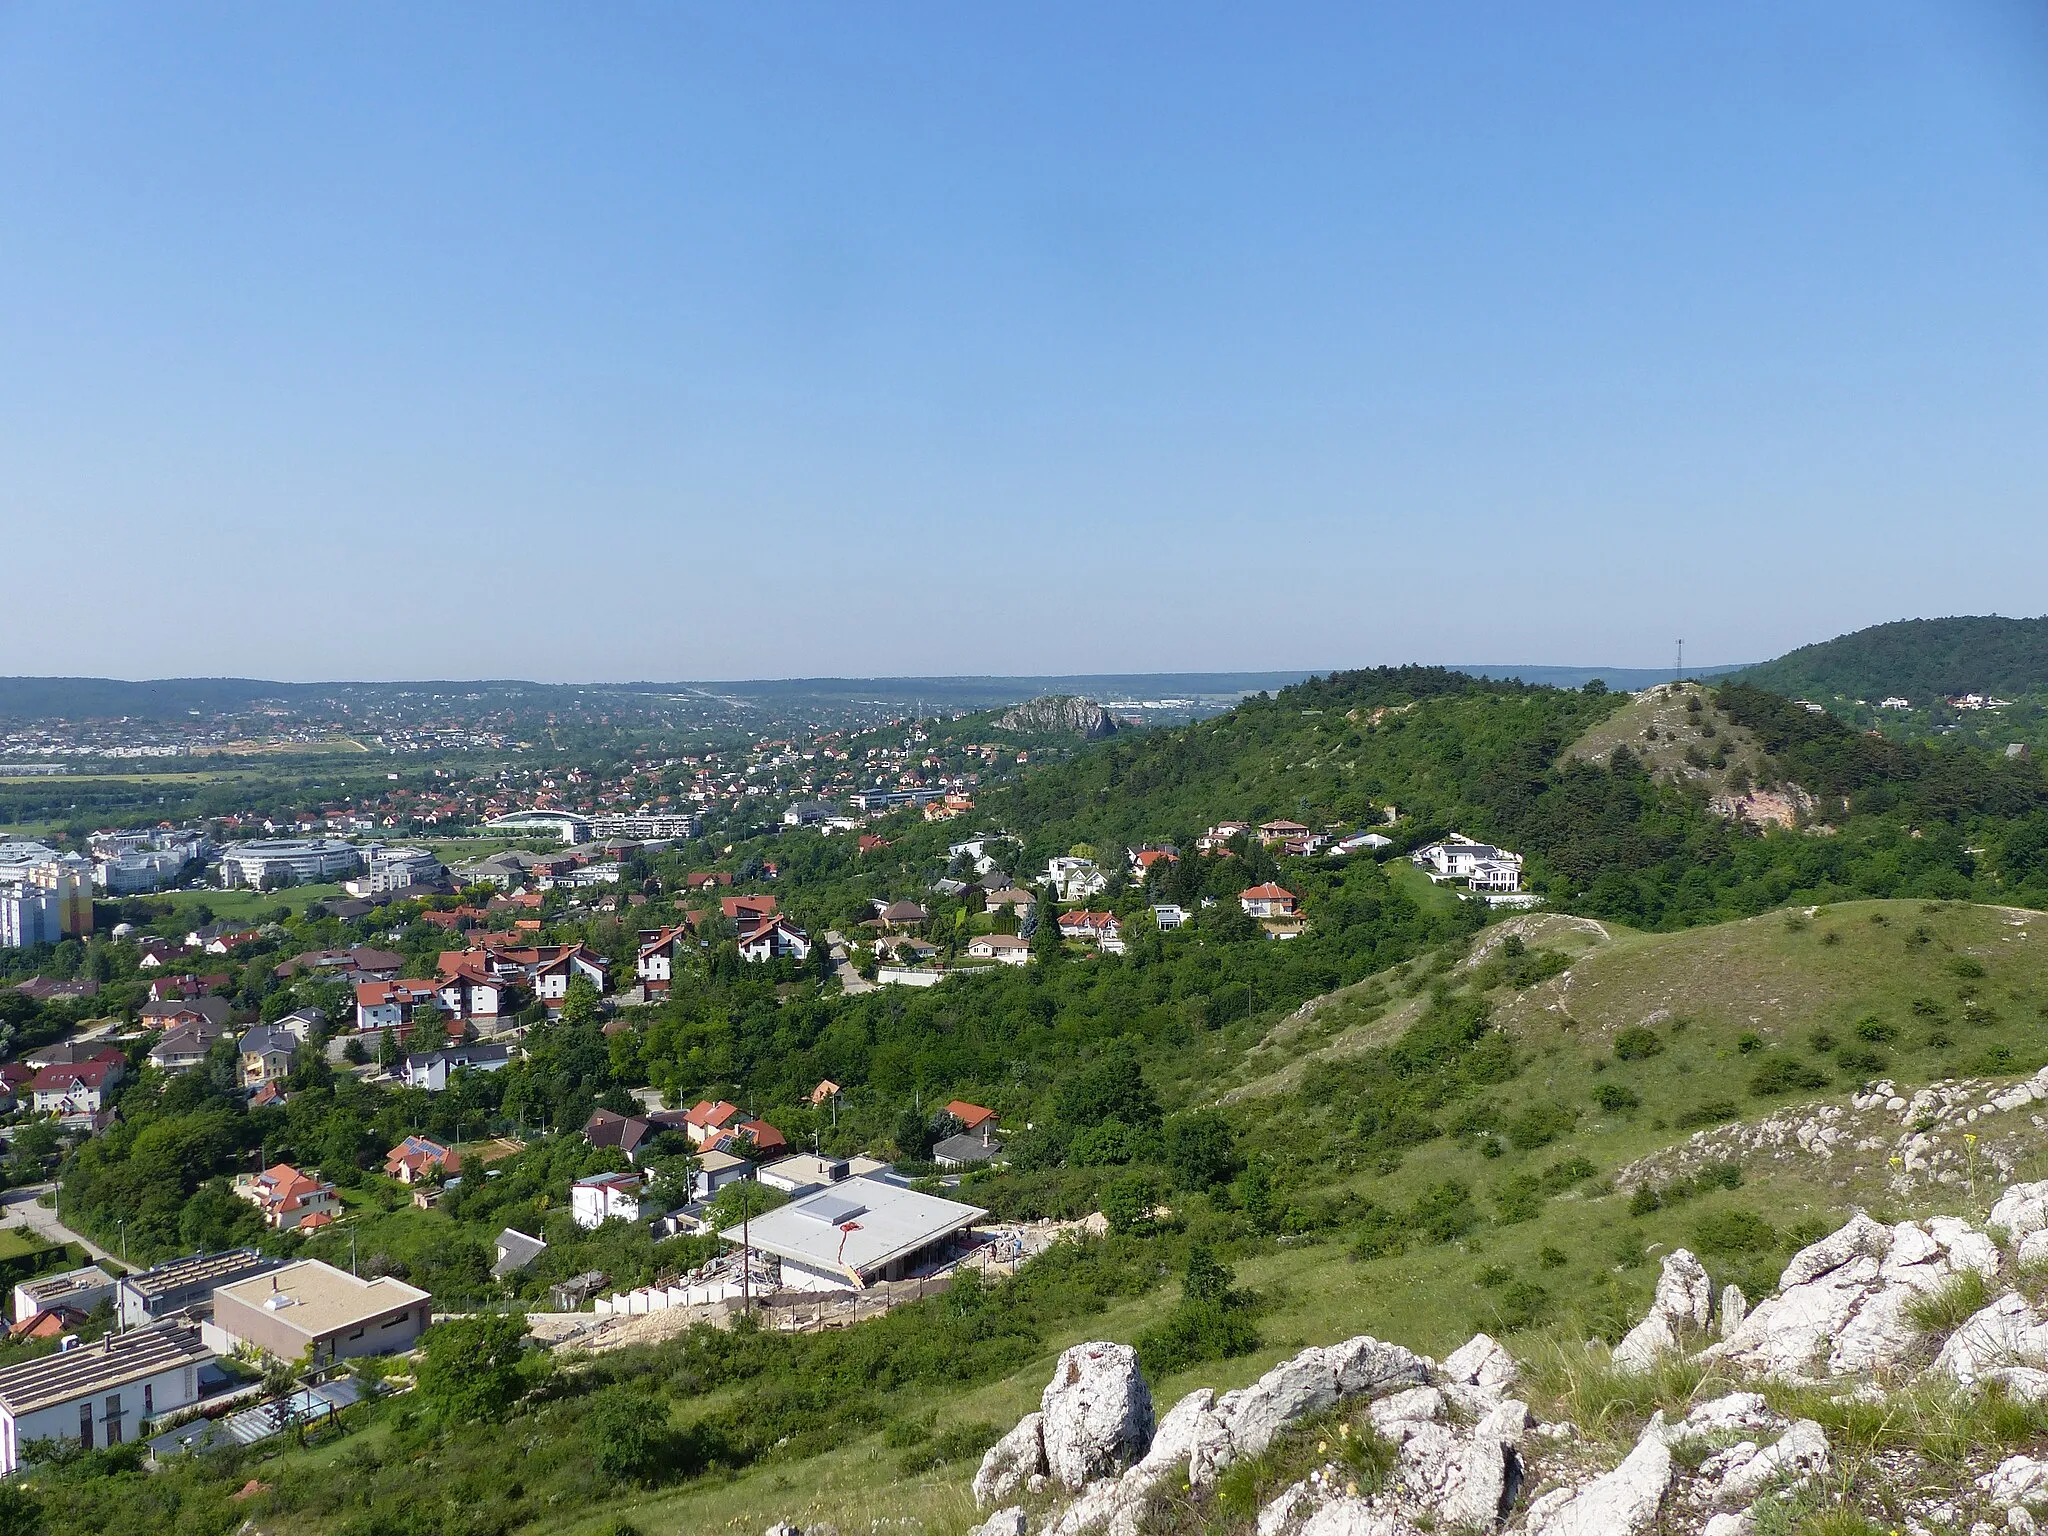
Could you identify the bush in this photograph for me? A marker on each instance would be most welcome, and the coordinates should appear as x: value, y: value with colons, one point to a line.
x: 1559, y: 1177
x: 1127, y: 1203
x: 1540, y: 1124
x: 1194, y: 1332
x: 1713, y: 1112
x: 1612, y: 1096
x: 1874, y: 1029
x: 1734, y: 1231
x: 1519, y: 1199
x: 1749, y: 1042
x: 956, y: 1443
x: 1637, y: 1044
x: 1865, y: 1063
x: 1521, y: 1304
x: 1785, y: 1074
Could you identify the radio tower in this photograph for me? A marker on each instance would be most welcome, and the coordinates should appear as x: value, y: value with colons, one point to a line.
x: 1681, y: 661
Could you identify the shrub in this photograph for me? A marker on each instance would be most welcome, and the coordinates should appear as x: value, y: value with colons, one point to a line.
x: 1637, y: 1044
x: 1737, y: 1230
x: 1540, y: 1124
x: 1520, y: 1304
x: 1645, y: 1200
x: 1551, y: 1258
x: 1785, y: 1074
x: 1874, y: 1029
x: 1867, y: 1063
x: 955, y: 1443
x: 1561, y: 1176
x: 1713, y: 1112
x: 1194, y: 1332
x: 1749, y: 1042
x: 1446, y: 1213
x: 1127, y: 1203
x: 1612, y: 1096
x: 1821, y: 1041
x: 1965, y: 967
x: 1519, y: 1199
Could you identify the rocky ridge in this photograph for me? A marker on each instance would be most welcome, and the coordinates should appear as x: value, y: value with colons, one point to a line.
x: 1410, y: 1445
x: 1055, y: 714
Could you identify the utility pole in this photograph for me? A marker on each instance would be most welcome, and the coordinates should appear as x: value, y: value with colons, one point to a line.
x: 746, y: 1253
x: 1681, y: 661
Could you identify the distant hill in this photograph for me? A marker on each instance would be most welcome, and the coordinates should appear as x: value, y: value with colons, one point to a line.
x: 1916, y: 659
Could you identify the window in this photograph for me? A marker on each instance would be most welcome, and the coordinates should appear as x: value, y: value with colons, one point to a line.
x: 85, y: 1425
x: 148, y: 1397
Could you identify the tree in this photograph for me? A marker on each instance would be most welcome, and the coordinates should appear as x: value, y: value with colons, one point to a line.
x: 471, y: 1370
x: 21, y: 1513
x: 1200, y: 1149
x: 1047, y: 943
x: 579, y: 1002
x: 388, y: 1055
x: 1127, y: 1202
x: 1206, y: 1278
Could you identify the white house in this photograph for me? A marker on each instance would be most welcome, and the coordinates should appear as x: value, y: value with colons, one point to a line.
x: 1003, y: 948
x: 1364, y: 842
x: 1480, y: 865
x: 1075, y: 879
x: 773, y: 939
x: 1268, y: 900
x: 551, y: 977
x: 100, y: 1394
x: 604, y: 1197
x: 654, y: 963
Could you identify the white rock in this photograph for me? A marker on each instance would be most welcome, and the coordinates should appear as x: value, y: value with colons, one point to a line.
x: 1190, y: 1431
x: 1881, y: 1334
x: 2033, y: 1248
x: 2017, y: 1519
x: 2023, y: 1383
x: 1354, y: 1517
x: 1620, y: 1503
x: 1004, y: 1522
x: 1010, y: 1462
x: 1965, y: 1246
x: 1479, y: 1484
x: 1859, y: 1236
x: 1506, y: 1423
x: 1734, y: 1308
x: 2006, y: 1333
x: 1280, y: 1515
x: 2021, y: 1210
x: 1365, y: 1367
x: 1481, y: 1362
x: 1646, y: 1343
x: 1737, y: 1410
x: 1418, y: 1405
x: 1729, y: 1525
x: 1097, y: 1413
x: 1684, y: 1293
x: 1293, y: 1389
x: 1802, y: 1451
x: 1785, y: 1334
x: 1429, y: 1452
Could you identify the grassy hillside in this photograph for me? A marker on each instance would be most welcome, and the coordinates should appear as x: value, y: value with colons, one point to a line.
x: 1680, y: 735
x: 1637, y: 1092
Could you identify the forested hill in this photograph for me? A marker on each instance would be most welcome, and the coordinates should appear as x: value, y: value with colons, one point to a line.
x: 1916, y: 659
x: 1453, y: 752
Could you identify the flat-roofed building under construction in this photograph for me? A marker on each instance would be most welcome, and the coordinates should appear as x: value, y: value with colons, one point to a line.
x: 859, y: 1233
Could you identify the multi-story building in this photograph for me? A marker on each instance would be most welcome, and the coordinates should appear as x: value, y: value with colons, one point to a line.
x: 100, y: 1394
x: 28, y: 916
x: 301, y: 861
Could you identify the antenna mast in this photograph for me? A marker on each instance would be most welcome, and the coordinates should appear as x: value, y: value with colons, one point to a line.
x: 1681, y: 661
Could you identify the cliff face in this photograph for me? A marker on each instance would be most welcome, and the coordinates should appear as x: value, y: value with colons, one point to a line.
x: 1080, y: 717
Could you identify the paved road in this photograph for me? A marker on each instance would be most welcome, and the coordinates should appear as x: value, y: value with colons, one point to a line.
x: 18, y: 1208
x: 849, y: 979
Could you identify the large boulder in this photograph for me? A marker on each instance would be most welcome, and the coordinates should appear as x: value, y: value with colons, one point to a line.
x: 1481, y: 1362
x: 1859, y: 1237
x: 1011, y: 1462
x: 1684, y: 1293
x: 1096, y: 1414
x: 2022, y: 1210
x: 1620, y: 1503
x: 1316, y: 1379
x: 2003, y: 1335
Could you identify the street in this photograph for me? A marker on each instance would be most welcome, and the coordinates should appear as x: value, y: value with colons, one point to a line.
x: 18, y: 1208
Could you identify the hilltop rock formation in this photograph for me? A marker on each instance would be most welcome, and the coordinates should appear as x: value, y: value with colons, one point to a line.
x: 1058, y: 714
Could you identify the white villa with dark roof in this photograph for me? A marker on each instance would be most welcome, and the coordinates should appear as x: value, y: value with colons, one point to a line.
x: 859, y: 1233
x: 1480, y: 865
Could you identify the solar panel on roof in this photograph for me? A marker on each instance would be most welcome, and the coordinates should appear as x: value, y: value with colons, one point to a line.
x: 832, y: 1209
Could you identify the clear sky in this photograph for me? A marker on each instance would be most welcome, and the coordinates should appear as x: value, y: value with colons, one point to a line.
x: 660, y: 341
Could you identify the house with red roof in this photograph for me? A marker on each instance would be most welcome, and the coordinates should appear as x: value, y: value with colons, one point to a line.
x: 418, y: 1158
x: 654, y: 962
x: 289, y: 1200
x: 706, y: 1119
x: 971, y: 1116
x: 80, y: 1087
x: 389, y: 1004
x: 1268, y: 900
x: 773, y: 939
x: 1098, y: 928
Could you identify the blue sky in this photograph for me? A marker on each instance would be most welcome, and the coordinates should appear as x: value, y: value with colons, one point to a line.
x: 678, y: 341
